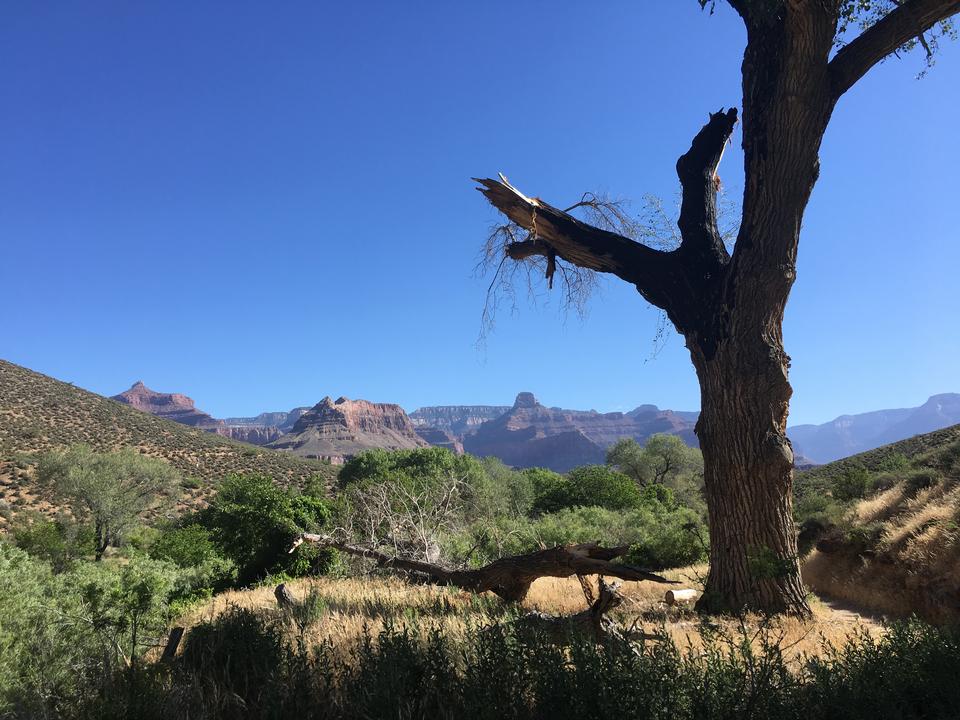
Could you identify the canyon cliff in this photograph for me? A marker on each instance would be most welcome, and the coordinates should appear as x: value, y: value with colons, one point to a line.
x: 531, y: 435
x: 336, y: 430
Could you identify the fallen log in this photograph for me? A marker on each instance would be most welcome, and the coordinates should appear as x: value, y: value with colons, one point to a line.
x: 510, y: 577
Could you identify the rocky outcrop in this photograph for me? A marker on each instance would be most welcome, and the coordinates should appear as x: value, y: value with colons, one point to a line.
x: 251, y: 433
x: 259, y: 430
x: 169, y: 406
x: 440, y: 438
x: 531, y: 435
x: 456, y: 419
x: 284, y: 421
x: 339, y: 429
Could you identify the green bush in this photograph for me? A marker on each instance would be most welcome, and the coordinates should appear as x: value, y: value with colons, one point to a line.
x: 660, y: 536
x: 852, y: 484
x: 204, y: 568
x: 253, y: 522
x: 590, y: 485
x: 60, y: 542
x: 921, y: 479
x: 63, y: 635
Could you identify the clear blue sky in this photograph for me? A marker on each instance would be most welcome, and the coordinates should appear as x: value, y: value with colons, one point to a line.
x: 259, y: 204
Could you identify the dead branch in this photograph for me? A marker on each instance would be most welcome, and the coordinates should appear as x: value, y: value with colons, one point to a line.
x: 509, y: 577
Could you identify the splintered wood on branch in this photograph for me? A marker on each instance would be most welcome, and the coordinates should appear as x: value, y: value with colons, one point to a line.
x: 555, y: 233
x: 509, y: 577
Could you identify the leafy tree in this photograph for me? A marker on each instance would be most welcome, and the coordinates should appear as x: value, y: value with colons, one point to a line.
x: 253, y: 522
x: 665, y: 460
x: 591, y: 486
x: 800, y: 58
x: 110, y: 489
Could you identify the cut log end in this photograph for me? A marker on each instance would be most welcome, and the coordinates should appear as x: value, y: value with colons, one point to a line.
x: 679, y: 596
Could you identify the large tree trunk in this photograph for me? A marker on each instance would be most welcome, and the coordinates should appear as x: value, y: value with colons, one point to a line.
x: 748, y: 474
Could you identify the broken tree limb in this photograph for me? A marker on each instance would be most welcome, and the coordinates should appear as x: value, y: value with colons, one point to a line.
x: 509, y: 577
x: 173, y: 642
x: 697, y: 171
x: 285, y: 598
x: 554, y: 232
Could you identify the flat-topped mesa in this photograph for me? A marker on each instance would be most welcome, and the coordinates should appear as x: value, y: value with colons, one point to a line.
x: 342, y: 428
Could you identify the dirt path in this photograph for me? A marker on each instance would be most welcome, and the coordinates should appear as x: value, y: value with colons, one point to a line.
x: 843, y: 612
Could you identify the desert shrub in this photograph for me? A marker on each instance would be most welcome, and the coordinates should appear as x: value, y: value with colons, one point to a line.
x: 63, y: 635
x: 920, y: 479
x: 253, y: 523
x: 852, y: 484
x: 948, y: 459
x: 893, y: 463
x: 818, y: 507
x: 204, y: 569
x: 884, y: 480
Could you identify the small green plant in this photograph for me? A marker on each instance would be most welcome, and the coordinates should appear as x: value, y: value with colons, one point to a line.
x: 764, y: 563
x: 852, y: 484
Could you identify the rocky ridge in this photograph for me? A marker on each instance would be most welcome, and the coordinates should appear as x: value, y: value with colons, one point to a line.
x: 336, y: 430
x: 532, y: 435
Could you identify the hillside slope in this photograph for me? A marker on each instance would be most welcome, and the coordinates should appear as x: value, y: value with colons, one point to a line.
x: 897, y: 549
x: 851, y: 434
x: 39, y: 413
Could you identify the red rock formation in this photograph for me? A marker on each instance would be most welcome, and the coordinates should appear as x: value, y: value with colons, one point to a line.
x: 344, y: 428
x: 170, y: 406
x: 440, y: 438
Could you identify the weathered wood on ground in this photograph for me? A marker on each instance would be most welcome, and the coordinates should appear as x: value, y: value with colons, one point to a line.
x: 509, y: 577
x: 672, y: 597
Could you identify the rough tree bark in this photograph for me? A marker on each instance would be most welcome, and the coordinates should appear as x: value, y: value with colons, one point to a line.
x: 509, y: 577
x: 729, y: 308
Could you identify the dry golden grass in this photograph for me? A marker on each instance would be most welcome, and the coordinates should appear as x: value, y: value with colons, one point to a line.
x: 880, y: 507
x: 913, y: 567
x: 353, y: 607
